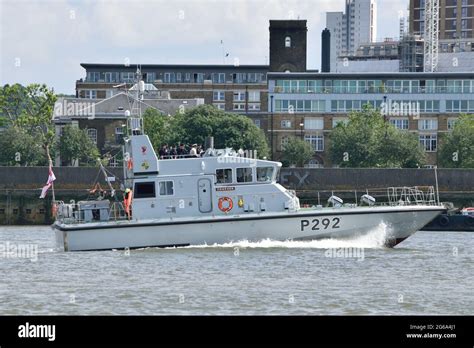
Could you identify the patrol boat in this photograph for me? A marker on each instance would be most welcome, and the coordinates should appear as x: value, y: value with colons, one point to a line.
x: 219, y: 198
x: 223, y: 197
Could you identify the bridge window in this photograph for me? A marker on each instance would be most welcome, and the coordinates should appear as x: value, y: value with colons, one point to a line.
x: 144, y: 190
x: 264, y: 174
x: 244, y: 175
x: 224, y: 176
x: 166, y: 188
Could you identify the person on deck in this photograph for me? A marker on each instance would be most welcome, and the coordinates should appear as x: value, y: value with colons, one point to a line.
x: 181, y: 151
x: 193, y: 151
x: 163, y: 151
x: 172, y: 152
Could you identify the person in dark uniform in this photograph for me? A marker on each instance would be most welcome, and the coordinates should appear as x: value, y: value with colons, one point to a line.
x: 181, y: 151
x: 163, y: 151
x: 172, y: 152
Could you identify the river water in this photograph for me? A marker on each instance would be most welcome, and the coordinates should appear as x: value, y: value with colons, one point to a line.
x: 429, y: 273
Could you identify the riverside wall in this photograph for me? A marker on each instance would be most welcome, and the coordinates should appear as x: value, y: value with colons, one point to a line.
x: 20, y: 187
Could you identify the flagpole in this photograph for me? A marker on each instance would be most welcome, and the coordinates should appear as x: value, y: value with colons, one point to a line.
x: 50, y: 171
x: 52, y: 184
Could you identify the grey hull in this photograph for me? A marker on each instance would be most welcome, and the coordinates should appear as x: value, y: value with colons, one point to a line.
x: 342, y: 223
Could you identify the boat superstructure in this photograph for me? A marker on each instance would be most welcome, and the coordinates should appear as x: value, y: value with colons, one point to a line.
x: 223, y: 197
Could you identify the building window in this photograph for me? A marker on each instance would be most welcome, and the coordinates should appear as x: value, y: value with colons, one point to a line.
x: 399, y: 123
x: 218, y: 78
x: 254, y: 107
x: 239, y: 96
x: 187, y: 77
x: 93, y: 76
x: 92, y: 134
x: 224, y: 176
x: 292, y: 106
x: 219, y: 106
x: 113, y: 162
x: 118, y: 134
x: 460, y: 106
x: 429, y: 142
x: 170, y: 77
x: 287, y: 41
x: 313, y: 123
x: 244, y: 175
x: 239, y: 77
x: 254, y: 96
x: 144, y: 190
x: 198, y: 77
x: 150, y: 77
x: 90, y: 94
x: 428, y: 124
x: 127, y: 77
x: 239, y: 106
x: 218, y: 96
x: 166, y: 188
x: 285, y: 124
x: 316, y: 142
x: 111, y: 77
x: 257, y: 123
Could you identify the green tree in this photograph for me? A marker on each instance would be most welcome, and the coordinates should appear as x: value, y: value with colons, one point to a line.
x: 457, y: 149
x: 367, y: 140
x: 18, y: 147
x: 75, y: 144
x: 195, y: 125
x: 297, y: 152
x: 29, y: 108
x: 156, y: 127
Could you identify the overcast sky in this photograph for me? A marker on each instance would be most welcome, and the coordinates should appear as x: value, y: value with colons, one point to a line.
x: 44, y: 41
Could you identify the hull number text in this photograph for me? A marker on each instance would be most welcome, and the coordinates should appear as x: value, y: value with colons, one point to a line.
x: 320, y: 224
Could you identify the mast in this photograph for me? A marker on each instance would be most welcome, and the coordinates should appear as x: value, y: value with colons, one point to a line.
x: 135, y: 125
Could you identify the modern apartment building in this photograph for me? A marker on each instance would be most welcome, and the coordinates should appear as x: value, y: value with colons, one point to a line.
x: 456, y: 24
x: 351, y: 28
x: 309, y: 105
x: 285, y: 99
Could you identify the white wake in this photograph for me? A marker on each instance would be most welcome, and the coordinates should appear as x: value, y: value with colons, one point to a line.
x: 373, y: 239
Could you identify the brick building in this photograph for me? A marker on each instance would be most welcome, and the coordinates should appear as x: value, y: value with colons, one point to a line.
x: 104, y: 119
x: 286, y: 99
x: 309, y: 105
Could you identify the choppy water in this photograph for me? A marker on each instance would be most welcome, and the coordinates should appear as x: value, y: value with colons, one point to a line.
x: 430, y: 273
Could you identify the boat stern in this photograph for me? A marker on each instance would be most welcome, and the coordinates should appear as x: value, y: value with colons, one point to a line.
x: 60, y: 236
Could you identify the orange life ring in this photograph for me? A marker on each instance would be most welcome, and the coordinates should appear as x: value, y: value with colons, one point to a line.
x: 229, y: 201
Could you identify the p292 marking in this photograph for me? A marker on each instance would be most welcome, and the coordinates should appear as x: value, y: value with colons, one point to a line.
x: 320, y: 224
